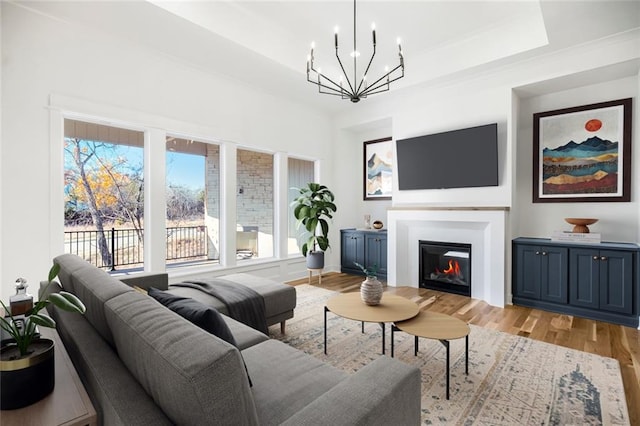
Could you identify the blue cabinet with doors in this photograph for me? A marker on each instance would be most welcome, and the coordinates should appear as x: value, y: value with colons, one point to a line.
x: 596, y: 281
x: 366, y: 247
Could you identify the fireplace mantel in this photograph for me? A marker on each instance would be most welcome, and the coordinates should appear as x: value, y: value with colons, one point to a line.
x: 482, y: 227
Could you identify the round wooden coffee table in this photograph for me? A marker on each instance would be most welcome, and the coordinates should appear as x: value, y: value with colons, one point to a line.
x: 392, y: 308
x: 434, y: 325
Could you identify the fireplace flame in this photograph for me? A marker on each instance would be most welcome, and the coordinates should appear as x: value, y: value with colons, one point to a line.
x: 453, y: 269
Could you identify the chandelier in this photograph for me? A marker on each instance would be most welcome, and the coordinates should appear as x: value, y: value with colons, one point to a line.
x: 352, y: 88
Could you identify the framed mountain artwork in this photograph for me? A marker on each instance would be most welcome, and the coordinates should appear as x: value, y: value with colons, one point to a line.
x: 583, y: 154
x: 378, y: 169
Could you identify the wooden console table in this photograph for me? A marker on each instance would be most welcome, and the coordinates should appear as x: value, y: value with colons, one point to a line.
x: 67, y: 405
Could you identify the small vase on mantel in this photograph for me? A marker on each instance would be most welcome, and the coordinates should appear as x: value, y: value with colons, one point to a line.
x: 371, y: 291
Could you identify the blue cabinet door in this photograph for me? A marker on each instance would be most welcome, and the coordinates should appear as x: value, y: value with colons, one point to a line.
x: 584, y: 278
x: 616, y: 281
x: 528, y: 271
x: 376, y: 252
x: 554, y: 274
x: 351, y: 251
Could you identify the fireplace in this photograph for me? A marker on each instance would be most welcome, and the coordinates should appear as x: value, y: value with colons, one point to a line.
x: 445, y: 266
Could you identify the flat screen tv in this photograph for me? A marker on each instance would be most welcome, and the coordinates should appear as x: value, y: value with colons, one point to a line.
x: 462, y: 158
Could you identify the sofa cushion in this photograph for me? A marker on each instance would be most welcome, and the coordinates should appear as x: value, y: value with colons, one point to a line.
x: 245, y: 336
x: 195, y: 377
x: 205, y: 317
x: 285, y: 379
x: 68, y: 264
x: 94, y: 287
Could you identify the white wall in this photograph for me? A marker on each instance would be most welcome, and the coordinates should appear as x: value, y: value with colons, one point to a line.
x: 44, y: 57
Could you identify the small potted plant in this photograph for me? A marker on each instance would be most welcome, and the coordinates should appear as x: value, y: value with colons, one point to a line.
x: 371, y: 289
x: 313, y: 207
x: 27, y: 363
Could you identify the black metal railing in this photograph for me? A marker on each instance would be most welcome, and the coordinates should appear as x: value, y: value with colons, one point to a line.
x: 125, y: 248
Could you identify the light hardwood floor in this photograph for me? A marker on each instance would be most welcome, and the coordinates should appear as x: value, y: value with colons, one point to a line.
x: 602, y: 338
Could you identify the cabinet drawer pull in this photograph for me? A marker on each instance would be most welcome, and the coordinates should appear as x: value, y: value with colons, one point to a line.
x: 544, y: 253
x: 603, y: 258
x: 596, y: 258
x: 537, y: 253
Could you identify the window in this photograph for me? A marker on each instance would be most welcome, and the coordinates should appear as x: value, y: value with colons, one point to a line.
x: 104, y: 194
x: 254, y: 206
x: 193, y: 201
x: 301, y: 172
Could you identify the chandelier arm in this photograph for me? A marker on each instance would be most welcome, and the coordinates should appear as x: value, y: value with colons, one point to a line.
x: 371, y: 90
x: 337, y: 87
x: 345, y: 74
x: 319, y: 83
x: 375, y: 84
x: 386, y: 89
x: 367, y: 70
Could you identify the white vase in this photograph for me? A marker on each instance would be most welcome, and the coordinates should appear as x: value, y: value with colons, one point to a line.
x: 371, y: 291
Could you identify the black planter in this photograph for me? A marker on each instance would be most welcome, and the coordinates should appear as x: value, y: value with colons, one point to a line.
x: 315, y: 260
x: 27, y: 380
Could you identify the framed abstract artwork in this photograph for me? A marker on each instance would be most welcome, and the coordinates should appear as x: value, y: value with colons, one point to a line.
x: 583, y: 154
x: 378, y: 169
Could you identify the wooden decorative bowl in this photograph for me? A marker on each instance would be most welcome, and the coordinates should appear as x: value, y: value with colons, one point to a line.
x: 580, y: 224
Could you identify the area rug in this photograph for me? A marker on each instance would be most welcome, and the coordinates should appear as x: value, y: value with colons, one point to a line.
x: 512, y: 380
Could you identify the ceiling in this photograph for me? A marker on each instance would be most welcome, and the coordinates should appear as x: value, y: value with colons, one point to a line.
x: 265, y: 43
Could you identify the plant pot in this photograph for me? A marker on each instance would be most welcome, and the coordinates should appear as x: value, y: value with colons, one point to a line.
x: 371, y: 291
x: 315, y: 260
x: 26, y: 380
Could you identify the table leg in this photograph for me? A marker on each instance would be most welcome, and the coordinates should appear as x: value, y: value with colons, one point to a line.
x: 362, y: 327
x: 393, y: 328
x: 466, y: 352
x: 383, y: 336
x: 446, y: 345
x: 415, y: 346
x: 325, y: 330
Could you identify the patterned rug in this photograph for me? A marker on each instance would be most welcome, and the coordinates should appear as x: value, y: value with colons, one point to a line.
x: 512, y: 379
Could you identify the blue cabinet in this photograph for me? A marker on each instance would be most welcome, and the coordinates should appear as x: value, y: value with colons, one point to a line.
x: 366, y: 247
x: 597, y: 281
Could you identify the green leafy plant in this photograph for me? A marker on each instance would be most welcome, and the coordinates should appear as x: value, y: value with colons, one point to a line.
x: 23, y: 336
x: 313, y: 207
x: 371, y: 271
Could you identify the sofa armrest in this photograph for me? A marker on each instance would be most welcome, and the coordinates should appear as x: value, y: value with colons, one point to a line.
x: 159, y: 280
x: 384, y: 392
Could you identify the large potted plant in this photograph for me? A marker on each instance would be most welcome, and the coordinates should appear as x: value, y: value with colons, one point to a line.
x: 313, y: 207
x: 27, y: 369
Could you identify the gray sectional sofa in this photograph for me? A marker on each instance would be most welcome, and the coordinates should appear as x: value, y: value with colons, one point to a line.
x: 142, y: 364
